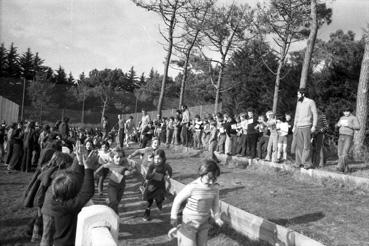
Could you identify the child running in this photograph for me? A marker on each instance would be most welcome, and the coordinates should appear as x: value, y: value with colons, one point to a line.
x: 156, y: 175
x: 119, y: 169
x: 202, y: 196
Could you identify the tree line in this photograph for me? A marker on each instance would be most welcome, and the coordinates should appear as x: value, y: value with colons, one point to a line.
x: 233, y: 54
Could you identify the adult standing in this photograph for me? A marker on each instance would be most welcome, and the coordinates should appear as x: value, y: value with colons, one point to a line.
x: 347, y: 125
x: 29, y: 145
x: 64, y: 128
x: 252, y: 133
x: 185, y: 123
x: 15, y: 160
x: 120, y: 130
x: 145, y: 119
x: 129, y: 129
x: 306, y: 118
x: 9, y: 145
x: 105, y: 126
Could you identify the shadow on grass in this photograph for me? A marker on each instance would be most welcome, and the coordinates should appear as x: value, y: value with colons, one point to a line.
x: 187, y: 176
x: 302, y: 219
x: 234, y: 235
x: 224, y: 192
x: 144, y: 230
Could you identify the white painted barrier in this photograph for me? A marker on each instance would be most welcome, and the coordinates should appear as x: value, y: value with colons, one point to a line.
x: 97, y: 225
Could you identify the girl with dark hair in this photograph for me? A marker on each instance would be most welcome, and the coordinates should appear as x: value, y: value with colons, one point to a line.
x: 202, y: 196
x: 156, y: 176
x: 104, y: 158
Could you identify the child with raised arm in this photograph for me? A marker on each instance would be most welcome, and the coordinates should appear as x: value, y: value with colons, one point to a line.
x: 119, y: 169
x: 155, y: 178
x: 65, y: 197
x: 202, y: 196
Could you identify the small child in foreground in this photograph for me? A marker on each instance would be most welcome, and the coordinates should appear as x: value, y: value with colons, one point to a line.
x: 157, y: 174
x: 202, y: 196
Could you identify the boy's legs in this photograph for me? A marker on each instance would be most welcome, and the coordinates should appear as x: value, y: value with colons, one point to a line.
x: 344, y: 144
x: 252, y: 140
x: 274, y: 138
x: 202, y: 236
x: 113, y: 197
x: 269, y: 149
x: 228, y: 145
x: 101, y: 179
x: 284, y: 148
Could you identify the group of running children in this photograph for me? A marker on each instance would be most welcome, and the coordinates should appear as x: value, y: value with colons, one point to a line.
x: 72, y: 184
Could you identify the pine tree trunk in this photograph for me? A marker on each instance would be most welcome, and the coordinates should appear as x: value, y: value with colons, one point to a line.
x: 362, y: 101
x: 219, y: 84
x: 310, y: 45
x: 276, y: 86
x: 167, y: 60
x: 103, y: 110
x: 183, y: 82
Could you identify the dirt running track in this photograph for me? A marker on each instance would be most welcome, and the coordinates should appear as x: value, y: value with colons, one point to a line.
x: 133, y: 230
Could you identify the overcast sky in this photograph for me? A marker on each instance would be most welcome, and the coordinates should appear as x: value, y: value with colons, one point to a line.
x: 81, y: 35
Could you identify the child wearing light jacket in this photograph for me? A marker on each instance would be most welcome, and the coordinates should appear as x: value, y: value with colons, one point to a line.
x: 347, y: 125
x: 202, y: 197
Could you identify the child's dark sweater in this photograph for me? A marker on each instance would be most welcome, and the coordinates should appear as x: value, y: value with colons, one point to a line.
x: 65, y: 213
x: 155, y: 181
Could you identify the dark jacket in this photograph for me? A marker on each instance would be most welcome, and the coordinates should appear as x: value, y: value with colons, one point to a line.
x: 65, y: 213
x: 251, y: 127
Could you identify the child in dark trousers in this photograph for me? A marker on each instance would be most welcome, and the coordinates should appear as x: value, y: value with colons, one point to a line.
x: 119, y: 169
x: 157, y: 174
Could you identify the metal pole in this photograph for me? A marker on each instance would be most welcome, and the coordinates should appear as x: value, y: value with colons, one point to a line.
x: 23, y: 96
x: 136, y: 111
x: 83, y: 108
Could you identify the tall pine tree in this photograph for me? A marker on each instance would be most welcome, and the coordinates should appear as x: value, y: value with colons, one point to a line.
x: 3, y: 60
x: 61, y: 76
x: 13, y: 69
x: 26, y: 65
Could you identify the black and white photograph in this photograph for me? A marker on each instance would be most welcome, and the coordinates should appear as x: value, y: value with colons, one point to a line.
x: 184, y: 122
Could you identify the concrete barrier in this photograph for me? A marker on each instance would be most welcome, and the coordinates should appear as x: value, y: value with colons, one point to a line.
x: 255, y: 227
x: 97, y: 225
